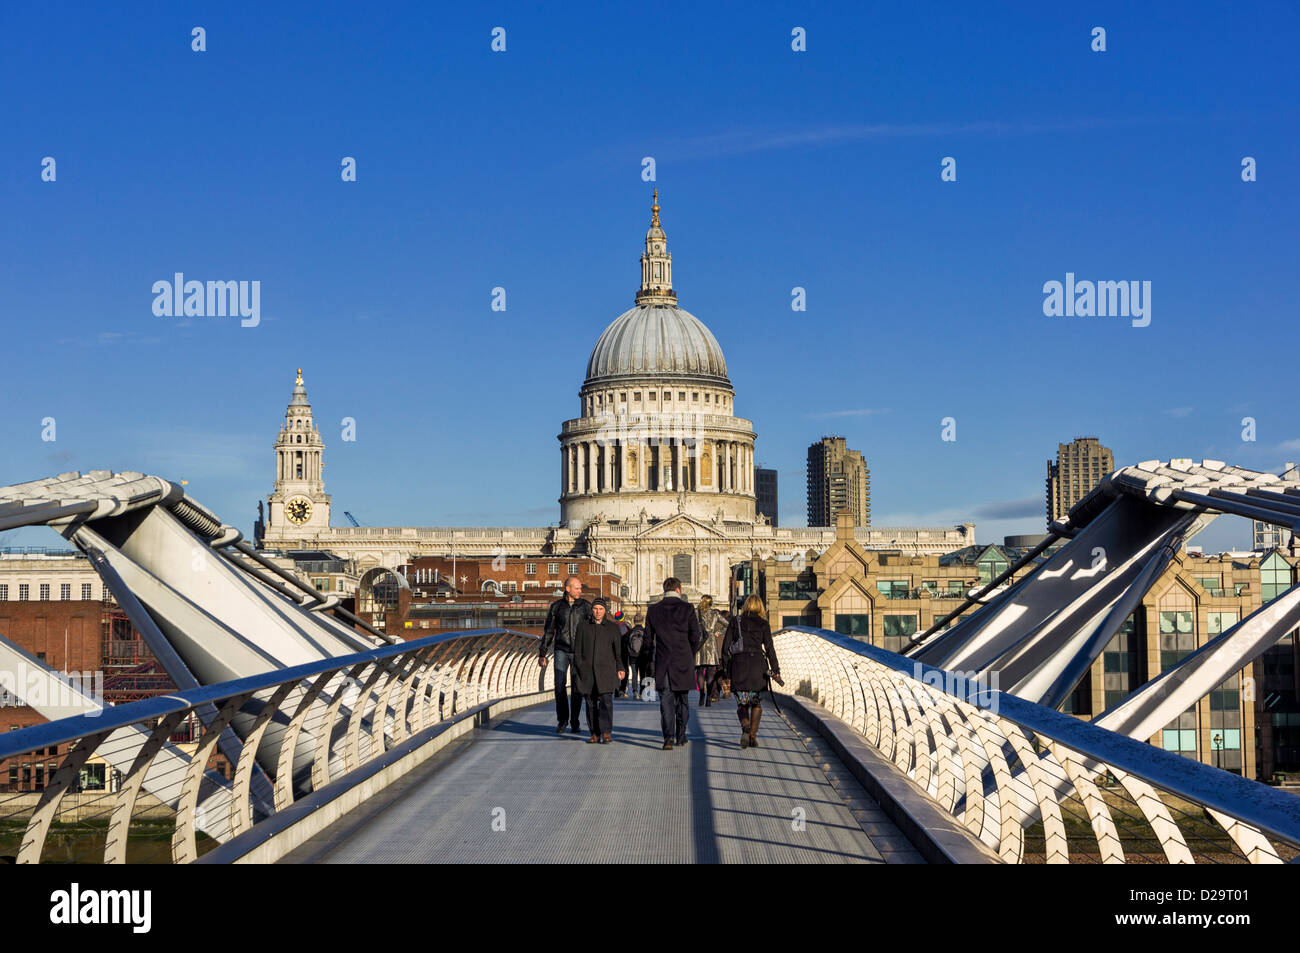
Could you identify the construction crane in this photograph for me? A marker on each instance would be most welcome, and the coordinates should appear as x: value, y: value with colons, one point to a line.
x: 351, y: 519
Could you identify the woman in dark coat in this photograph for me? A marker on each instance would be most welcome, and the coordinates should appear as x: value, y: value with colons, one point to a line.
x: 598, y: 669
x: 748, y: 655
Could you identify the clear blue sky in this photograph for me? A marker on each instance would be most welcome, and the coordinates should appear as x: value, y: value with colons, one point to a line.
x: 523, y: 170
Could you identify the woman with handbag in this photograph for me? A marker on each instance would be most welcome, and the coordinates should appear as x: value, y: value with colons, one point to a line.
x: 748, y: 656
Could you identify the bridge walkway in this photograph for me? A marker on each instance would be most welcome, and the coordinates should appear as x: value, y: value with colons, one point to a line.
x: 516, y: 792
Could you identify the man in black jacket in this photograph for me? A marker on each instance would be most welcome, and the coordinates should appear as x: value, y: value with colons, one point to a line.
x: 675, y: 630
x: 560, y: 631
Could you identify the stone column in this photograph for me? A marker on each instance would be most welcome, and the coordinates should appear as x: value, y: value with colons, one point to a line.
x: 695, y: 466
x: 609, y: 467
x: 581, y: 449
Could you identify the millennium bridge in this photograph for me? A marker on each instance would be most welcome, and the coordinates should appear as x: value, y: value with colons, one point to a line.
x: 350, y: 745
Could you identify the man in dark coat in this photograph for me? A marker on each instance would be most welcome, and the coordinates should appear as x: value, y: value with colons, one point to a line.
x: 673, y: 626
x: 560, y: 631
x: 597, y: 670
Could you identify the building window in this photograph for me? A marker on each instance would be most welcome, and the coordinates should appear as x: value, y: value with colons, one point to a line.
x: 857, y: 625
x: 668, y: 395
x: 1274, y: 577
x: 4, y: 592
x: 893, y: 588
x: 45, y: 592
x: 803, y: 587
x: 1177, y: 638
x: 681, y: 395
x: 1219, y: 622
x: 682, y: 567
x: 652, y: 395
x: 514, y: 586
x: 530, y: 569
x: 992, y: 565
x: 65, y: 592
x: 1119, y: 664
x: 573, y: 569
x: 898, y: 629
x: 636, y: 396
x: 552, y: 568
x: 24, y: 592
x: 85, y: 591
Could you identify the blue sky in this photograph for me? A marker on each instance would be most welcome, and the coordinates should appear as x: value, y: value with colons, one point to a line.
x: 522, y: 170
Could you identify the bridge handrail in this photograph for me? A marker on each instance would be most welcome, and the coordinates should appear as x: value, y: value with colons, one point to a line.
x: 70, y: 729
x: 439, y: 677
x: 1238, y: 799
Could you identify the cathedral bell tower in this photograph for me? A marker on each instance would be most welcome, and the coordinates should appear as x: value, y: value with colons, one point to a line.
x: 656, y: 264
x: 299, y: 507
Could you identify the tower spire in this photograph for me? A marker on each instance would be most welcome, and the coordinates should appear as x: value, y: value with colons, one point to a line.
x: 656, y: 264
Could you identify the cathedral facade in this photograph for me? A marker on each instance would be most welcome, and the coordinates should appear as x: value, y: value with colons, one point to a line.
x: 656, y: 472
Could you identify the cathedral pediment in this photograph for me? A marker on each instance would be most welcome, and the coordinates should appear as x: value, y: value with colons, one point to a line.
x: 682, y: 526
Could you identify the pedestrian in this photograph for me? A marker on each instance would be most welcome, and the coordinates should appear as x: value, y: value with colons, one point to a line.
x: 597, y: 670
x: 639, y: 652
x: 675, y: 629
x: 561, y: 628
x: 748, y: 655
x: 706, y: 659
x: 623, y: 630
x: 723, y: 680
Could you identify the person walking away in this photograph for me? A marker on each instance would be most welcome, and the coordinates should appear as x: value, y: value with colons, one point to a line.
x: 623, y: 630
x: 748, y: 655
x: 561, y: 627
x: 675, y: 630
x: 706, y: 659
x: 638, y: 655
x: 597, y: 670
x: 722, y: 683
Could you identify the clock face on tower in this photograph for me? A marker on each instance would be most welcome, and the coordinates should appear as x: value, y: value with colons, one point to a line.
x: 298, y: 510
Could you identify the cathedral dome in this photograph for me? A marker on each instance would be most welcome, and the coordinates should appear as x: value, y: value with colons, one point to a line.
x: 658, y: 341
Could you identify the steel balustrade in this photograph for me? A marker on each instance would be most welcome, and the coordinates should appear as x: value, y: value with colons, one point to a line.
x: 1015, y: 772
x: 353, y: 708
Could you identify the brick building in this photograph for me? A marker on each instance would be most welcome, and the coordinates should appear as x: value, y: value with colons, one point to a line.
x: 434, y: 594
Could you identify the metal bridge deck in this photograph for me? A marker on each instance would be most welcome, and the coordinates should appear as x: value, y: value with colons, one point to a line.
x: 561, y: 800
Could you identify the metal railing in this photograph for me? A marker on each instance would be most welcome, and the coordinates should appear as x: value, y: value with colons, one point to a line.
x: 1035, y: 785
x: 304, y: 730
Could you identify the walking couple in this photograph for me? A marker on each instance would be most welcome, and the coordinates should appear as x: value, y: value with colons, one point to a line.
x: 747, y: 657
x: 586, y: 638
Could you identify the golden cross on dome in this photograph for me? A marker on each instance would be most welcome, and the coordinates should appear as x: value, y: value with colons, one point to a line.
x: 654, y: 210
x: 299, y: 375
